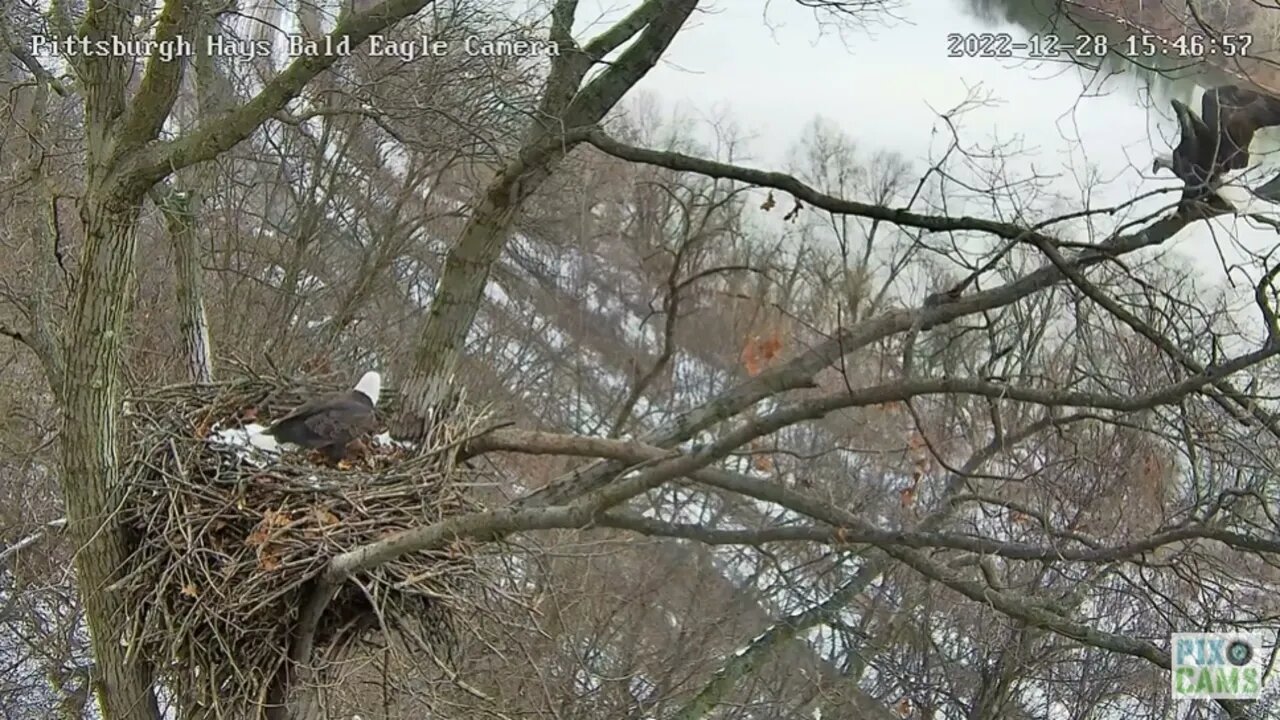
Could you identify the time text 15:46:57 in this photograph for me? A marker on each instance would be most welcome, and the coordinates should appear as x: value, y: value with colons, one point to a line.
x: 1051, y: 46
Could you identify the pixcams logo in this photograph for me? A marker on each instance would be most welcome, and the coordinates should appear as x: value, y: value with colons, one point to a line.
x: 1216, y: 666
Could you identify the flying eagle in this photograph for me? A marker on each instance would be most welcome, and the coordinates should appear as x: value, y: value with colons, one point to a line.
x: 330, y: 423
x: 1217, y: 141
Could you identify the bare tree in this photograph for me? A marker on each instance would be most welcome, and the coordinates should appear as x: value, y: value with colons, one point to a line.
x: 871, y: 475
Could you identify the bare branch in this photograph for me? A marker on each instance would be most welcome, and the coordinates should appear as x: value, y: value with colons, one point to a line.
x: 223, y: 132
x: 161, y: 81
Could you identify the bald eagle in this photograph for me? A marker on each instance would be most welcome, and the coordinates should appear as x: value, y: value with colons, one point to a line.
x: 331, y: 422
x: 1217, y: 141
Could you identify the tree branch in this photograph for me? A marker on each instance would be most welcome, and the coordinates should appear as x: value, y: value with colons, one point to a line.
x: 590, y: 104
x: 23, y: 55
x: 800, y: 372
x: 224, y: 131
x: 1038, y: 616
x: 790, y: 184
x: 161, y: 82
x: 429, y: 391
x: 1164, y: 344
x: 840, y: 527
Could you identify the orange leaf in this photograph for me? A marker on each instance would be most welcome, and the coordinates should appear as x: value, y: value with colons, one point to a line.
x: 763, y: 463
x: 769, y: 347
x: 1020, y: 518
x: 750, y: 359
x: 759, y: 351
x: 907, y: 496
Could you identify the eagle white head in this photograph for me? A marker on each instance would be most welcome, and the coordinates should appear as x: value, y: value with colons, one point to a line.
x: 370, y: 386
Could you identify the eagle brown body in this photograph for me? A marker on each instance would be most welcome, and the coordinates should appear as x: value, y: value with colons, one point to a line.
x: 330, y: 424
x: 1218, y: 140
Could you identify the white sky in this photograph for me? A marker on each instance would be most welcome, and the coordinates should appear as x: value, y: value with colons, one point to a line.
x: 772, y: 71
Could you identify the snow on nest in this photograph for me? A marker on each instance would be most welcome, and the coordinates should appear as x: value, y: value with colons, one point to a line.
x: 255, y: 448
x: 384, y: 440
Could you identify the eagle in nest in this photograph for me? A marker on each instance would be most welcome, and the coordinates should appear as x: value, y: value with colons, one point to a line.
x: 330, y: 423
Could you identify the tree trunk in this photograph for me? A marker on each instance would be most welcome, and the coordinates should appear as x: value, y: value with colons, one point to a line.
x: 193, y: 323
x: 567, y: 107
x: 90, y: 455
x: 427, y: 394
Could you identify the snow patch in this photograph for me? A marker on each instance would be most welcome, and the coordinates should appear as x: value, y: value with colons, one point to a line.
x: 384, y: 440
x: 494, y: 292
x: 253, y: 446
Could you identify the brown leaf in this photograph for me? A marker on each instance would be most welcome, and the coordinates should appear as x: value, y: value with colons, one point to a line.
x: 257, y: 537
x: 768, y: 202
x: 770, y: 346
x: 268, y: 560
x: 1020, y: 518
x: 763, y: 463
x: 325, y: 518
x: 190, y: 590
x: 907, y: 496
x: 264, y: 530
x: 750, y: 358
x: 758, y: 351
x: 903, y: 707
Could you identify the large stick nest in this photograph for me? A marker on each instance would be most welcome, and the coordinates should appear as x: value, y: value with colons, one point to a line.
x: 227, y: 547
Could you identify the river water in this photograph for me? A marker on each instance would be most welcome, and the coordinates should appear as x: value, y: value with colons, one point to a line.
x: 772, y: 70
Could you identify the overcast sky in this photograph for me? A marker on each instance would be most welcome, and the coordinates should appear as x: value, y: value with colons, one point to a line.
x: 774, y: 71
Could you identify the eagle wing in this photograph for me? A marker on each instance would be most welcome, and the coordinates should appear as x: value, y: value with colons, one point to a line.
x: 305, y: 410
x: 341, y: 422
x: 1236, y: 114
x: 1194, y: 141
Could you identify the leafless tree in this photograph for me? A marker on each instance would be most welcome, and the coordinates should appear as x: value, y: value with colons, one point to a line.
x: 786, y: 444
